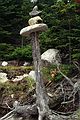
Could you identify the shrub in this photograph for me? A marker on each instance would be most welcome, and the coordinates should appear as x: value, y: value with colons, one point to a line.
x: 22, y: 53
x: 6, y: 51
x: 48, y: 71
x: 76, y: 54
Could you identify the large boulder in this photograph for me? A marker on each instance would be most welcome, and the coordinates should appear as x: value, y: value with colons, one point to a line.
x: 51, y: 56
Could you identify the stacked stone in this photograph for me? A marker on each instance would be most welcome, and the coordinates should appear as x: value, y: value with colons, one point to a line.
x: 35, y: 23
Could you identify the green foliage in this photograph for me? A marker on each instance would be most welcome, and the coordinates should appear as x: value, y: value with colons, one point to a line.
x: 13, y: 16
x: 61, y: 17
x: 57, y: 76
x: 64, y: 27
x: 14, y: 88
x: 16, y: 68
x: 78, y: 114
x: 30, y: 82
x: 76, y: 54
x: 9, y: 52
x: 10, y: 87
x: 46, y: 74
x: 22, y: 53
x: 65, y: 69
x: 5, y: 51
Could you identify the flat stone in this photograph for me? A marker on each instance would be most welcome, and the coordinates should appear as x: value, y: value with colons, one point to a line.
x: 33, y: 28
x: 35, y: 11
x: 19, y: 78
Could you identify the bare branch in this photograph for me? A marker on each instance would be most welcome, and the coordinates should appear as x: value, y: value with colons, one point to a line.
x: 8, y: 106
x: 67, y: 78
x: 67, y: 102
x: 75, y: 90
x: 7, y: 115
x: 76, y: 64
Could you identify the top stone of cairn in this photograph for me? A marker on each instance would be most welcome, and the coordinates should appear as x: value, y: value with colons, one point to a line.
x: 35, y: 11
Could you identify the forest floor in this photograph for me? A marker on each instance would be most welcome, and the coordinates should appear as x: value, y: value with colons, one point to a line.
x: 24, y: 91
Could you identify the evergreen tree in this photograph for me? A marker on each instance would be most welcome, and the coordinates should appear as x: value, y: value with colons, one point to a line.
x: 61, y: 16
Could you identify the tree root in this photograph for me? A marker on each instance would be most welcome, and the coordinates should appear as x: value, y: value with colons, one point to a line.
x: 30, y: 110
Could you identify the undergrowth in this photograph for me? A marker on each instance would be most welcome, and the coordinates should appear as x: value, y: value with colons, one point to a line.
x: 51, y: 73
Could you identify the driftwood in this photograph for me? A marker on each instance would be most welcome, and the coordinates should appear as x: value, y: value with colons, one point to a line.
x: 7, y: 115
x: 31, y: 110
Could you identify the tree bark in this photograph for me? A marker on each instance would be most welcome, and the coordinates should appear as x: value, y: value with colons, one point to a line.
x: 42, y: 97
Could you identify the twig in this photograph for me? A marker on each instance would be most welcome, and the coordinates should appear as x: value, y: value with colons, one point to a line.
x: 7, y: 115
x: 63, y: 91
x: 23, y: 110
x: 62, y: 88
x: 8, y: 118
x: 75, y: 77
x: 63, y: 113
x: 76, y: 64
x: 75, y: 90
x: 67, y: 102
x: 69, y: 80
x: 8, y: 106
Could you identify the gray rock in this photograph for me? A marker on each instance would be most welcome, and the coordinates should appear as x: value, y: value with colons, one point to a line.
x: 32, y: 75
x: 35, y: 10
x: 33, y: 1
x: 4, y: 63
x: 51, y: 56
x: 19, y: 78
x: 3, y: 77
x: 26, y: 63
x: 35, y: 20
x: 33, y: 28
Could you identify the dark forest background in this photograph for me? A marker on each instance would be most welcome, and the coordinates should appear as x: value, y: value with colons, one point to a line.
x: 62, y: 18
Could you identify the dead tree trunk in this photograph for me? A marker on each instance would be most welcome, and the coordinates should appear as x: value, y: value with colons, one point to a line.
x: 42, y: 98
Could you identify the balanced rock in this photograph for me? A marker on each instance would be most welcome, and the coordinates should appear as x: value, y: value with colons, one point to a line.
x: 51, y: 56
x: 35, y: 11
x: 33, y: 28
x: 35, y: 20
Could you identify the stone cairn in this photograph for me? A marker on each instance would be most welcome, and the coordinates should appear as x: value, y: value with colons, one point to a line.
x: 36, y: 26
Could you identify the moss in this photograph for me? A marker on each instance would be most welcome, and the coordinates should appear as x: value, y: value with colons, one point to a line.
x: 13, y: 71
x: 16, y: 67
x: 13, y: 87
x: 30, y: 82
x: 10, y: 87
x: 78, y: 114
